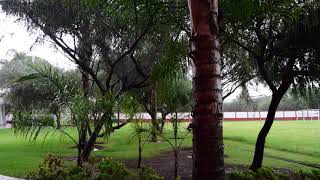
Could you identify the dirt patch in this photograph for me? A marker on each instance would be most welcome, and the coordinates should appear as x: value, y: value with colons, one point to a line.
x: 164, y: 164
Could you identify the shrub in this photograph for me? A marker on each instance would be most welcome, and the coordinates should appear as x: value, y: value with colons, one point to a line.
x: 307, y: 175
x: 146, y: 173
x: 53, y: 168
x: 284, y: 176
x: 260, y: 174
x: 113, y: 170
x: 265, y: 173
x: 239, y: 176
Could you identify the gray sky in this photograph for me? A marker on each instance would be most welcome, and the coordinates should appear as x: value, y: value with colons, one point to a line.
x: 18, y: 38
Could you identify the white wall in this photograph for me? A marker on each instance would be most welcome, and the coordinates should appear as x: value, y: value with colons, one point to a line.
x: 2, y: 113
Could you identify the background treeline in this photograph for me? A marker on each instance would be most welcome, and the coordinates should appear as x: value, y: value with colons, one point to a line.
x: 290, y: 102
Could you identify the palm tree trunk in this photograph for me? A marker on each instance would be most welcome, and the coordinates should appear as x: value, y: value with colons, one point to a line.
x: 208, y: 162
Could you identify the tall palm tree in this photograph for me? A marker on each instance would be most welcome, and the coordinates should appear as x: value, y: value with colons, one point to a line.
x: 207, y: 128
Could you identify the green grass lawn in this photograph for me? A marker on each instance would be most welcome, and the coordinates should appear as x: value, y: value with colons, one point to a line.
x: 292, y: 140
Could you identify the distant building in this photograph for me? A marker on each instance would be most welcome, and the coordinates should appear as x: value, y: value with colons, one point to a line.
x: 3, y: 120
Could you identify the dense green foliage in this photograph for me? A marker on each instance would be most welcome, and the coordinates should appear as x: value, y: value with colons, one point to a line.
x: 36, y: 93
x: 271, y: 174
x: 54, y: 167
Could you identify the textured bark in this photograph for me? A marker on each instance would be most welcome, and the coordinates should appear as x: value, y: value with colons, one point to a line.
x: 58, y: 120
x: 85, y: 57
x: 208, y: 162
x: 85, y: 83
x: 91, y: 141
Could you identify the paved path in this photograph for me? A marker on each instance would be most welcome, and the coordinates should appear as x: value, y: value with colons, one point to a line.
x: 8, y: 178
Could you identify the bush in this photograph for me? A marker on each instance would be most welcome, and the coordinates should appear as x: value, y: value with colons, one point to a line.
x: 239, y: 176
x: 284, y: 176
x: 53, y: 168
x: 306, y: 175
x: 113, y: 170
x: 146, y: 173
x: 260, y: 174
x: 265, y: 173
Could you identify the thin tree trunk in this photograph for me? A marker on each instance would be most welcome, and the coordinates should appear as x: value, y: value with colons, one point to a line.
x: 58, y: 116
x: 140, y: 152
x: 85, y: 53
x: 208, y: 162
x: 176, y: 163
x: 163, y: 121
x: 176, y: 150
x: 79, y: 158
x: 84, y: 128
x: 85, y: 83
x: 153, y: 110
x: 259, y: 149
x: 91, y: 141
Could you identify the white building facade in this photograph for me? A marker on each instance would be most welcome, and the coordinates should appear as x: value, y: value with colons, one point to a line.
x: 3, y: 120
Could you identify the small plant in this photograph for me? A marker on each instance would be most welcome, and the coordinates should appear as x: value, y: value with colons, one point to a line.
x: 53, y: 168
x: 177, y: 141
x: 113, y: 170
x: 283, y: 176
x: 146, y: 173
x: 239, y: 176
x: 266, y: 173
x: 261, y: 174
x: 139, y: 130
x: 307, y: 175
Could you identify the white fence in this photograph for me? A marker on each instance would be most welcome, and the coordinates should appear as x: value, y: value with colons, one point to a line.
x: 308, y: 114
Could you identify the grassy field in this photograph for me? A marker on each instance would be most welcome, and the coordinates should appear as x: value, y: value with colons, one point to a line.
x: 293, y: 140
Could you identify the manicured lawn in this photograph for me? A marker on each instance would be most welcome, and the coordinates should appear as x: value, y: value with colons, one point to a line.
x: 292, y: 140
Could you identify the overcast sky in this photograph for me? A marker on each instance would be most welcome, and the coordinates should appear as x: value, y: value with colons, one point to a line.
x: 16, y: 36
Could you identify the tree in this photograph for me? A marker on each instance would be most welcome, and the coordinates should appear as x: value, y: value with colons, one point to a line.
x: 174, y: 95
x: 119, y: 34
x: 36, y: 95
x: 84, y: 112
x: 208, y: 160
x: 172, y: 63
x: 269, y: 34
x: 236, y: 70
x: 139, y: 130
